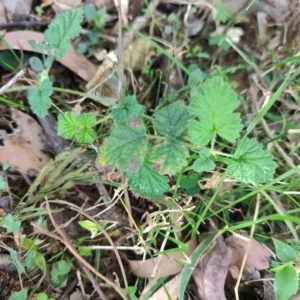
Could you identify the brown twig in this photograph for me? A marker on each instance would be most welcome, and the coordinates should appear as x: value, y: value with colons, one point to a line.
x: 24, y: 24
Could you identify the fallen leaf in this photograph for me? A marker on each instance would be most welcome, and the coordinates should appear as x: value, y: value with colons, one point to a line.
x: 3, y: 19
x: 211, y: 183
x: 17, y: 10
x: 210, y: 273
x: 65, y: 5
x: 258, y: 258
x: 24, y: 148
x: 72, y: 60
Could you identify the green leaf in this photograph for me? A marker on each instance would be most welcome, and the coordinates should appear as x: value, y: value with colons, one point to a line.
x: 213, y: 104
x: 204, y: 163
x: 252, y: 164
x: 147, y: 181
x: 42, y: 296
x: 126, y: 147
x: 15, y: 260
x: 171, y: 155
x: 85, y: 251
x: 68, y: 125
x: 87, y: 120
x: 5, y: 165
x: 64, y: 27
x: 21, y: 295
x: 3, y: 184
x: 89, y: 12
x: 85, y: 135
x: 39, y: 260
x: 190, y: 183
x: 284, y: 251
x: 39, y: 99
x: 59, y: 273
x: 129, y: 108
x: 286, y: 283
x: 36, y: 46
x: 172, y: 119
x: 36, y: 64
x: 11, y: 224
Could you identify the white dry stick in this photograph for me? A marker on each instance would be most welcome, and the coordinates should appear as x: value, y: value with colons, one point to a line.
x: 12, y: 81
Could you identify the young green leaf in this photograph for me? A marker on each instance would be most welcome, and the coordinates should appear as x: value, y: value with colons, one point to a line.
x: 284, y: 251
x: 15, y: 260
x: 253, y: 164
x: 126, y: 147
x: 3, y: 184
x: 171, y: 155
x: 204, y: 163
x: 213, y: 104
x: 59, y: 273
x: 85, y: 135
x: 286, y: 283
x: 36, y: 64
x: 172, y: 119
x: 64, y: 27
x: 190, y: 183
x: 68, y: 125
x: 21, y: 295
x: 147, y: 181
x: 39, y: 98
x: 129, y: 108
x: 11, y: 224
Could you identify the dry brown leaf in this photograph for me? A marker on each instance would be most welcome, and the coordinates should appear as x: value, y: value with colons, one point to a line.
x: 161, y: 266
x: 211, y: 183
x: 168, y: 291
x: 72, y: 60
x: 65, y: 5
x: 17, y: 10
x: 136, y: 55
x: 3, y: 19
x: 101, y: 3
x: 258, y: 257
x: 210, y: 273
x: 24, y: 148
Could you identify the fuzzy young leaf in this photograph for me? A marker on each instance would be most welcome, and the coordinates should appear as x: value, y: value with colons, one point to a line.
x: 85, y: 135
x: 284, y: 251
x: 171, y: 155
x: 129, y: 108
x: 147, y: 181
x: 204, y: 163
x: 253, y: 163
x: 126, y: 147
x: 39, y: 99
x: 68, y: 125
x: 172, y: 119
x: 64, y: 27
x: 11, y: 224
x: 36, y: 64
x: 15, y: 260
x: 213, y: 104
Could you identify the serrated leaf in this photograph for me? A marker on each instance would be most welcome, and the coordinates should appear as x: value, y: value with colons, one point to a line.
x: 15, y: 260
x: 147, y: 181
x: 64, y: 27
x: 129, y: 108
x: 36, y: 64
x: 172, y: 119
x: 126, y: 147
x: 39, y: 98
x: 253, y: 164
x: 87, y: 120
x: 284, y: 251
x: 286, y: 283
x: 85, y: 135
x: 213, y: 104
x: 204, y: 163
x: 11, y: 224
x: 171, y: 155
x: 68, y: 125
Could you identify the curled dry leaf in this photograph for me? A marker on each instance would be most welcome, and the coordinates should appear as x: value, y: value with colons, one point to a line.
x: 258, y: 258
x: 210, y: 273
x: 161, y: 266
x: 72, y: 60
x: 24, y: 148
x: 65, y: 5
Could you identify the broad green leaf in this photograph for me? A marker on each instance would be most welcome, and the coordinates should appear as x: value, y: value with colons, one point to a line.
x: 213, y: 104
x: 286, y: 283
x: 64, y: 27
x: 39, y: 260
x: 284, y: 251
x: 59, y: 273
x: 172, y: 119
x: 39, y: 98
x: 126, y: 147
x: 190, y: 183
x: 36, y: 64
x: 3, y: 184
x: 253, y: 164
x: 171, y: 155
x: 21, y: 295
x: 129, y: 108
x: 85, y: 251
x: 11, y: 224
x: 68, y: 125
x: 147, y: 181
x: 204, y: 163
x: 15, y: 260
x: 87, y: 120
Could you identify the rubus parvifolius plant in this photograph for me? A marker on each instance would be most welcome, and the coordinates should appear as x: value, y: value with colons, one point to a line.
x: 181, y: 132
